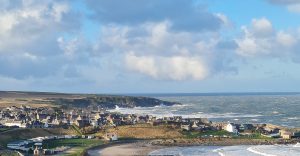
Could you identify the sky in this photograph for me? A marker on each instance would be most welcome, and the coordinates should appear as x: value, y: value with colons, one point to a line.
x: 150, y: 46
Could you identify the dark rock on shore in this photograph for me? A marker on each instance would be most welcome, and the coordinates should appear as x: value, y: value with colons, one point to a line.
x: 84, y: 100
x: 220, y: 142
x: 110, y: 102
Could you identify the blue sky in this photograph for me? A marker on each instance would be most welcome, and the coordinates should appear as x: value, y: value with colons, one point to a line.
x: 157, y: 46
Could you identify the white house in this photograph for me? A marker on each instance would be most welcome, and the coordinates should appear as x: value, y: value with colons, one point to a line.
x: 230, y: 127
x: 185, y: 127
x: 46, y: 125
x: 15, y: 123
x: 111, y: 136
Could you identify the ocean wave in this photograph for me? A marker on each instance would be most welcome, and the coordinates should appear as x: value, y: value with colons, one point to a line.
x: 293, y: 118
x: 245, y: 150
x: 170, y: 111
x: 219, y: 151
x: 253, y: 150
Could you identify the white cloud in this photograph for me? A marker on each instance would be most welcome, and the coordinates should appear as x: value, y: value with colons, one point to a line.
x: 286, y: 39
x: 34, y: 25
x: 28, y: 37
x: 68, y: 47
x: 260, y: 39
x: 153, y: 49
x: 256, y: 39
x: 172, y: 68
x: 30, y: 56
x: 224, y: 19
x: 196, y: 16
x: 262, y: 27
x: 7, y: 21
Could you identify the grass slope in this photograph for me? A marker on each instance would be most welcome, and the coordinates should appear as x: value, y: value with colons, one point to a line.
x: 20, y: 134
x: 144, y: 131
x: 78, y: 145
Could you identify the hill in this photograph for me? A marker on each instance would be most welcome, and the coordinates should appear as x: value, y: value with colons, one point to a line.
x: 77, y: 100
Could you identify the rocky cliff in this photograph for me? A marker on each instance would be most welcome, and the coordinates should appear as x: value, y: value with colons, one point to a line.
x: 112, y: 101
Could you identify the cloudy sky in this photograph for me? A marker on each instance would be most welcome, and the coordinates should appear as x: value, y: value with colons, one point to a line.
x: 150, y: 46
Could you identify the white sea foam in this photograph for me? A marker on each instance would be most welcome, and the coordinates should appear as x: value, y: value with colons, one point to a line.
x: 244, y: 150
x: 219, y: 151
x: 293, y: 118
x: 297, y: 145
x: 175, y: 110
x: 253, y: 150
x: 117, y: 107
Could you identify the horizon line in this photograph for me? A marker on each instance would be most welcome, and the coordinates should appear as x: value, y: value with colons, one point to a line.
x: 161, y: 93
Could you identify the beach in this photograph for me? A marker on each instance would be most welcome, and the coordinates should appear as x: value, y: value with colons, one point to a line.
x: 127, y: 149
x: 168, y: 146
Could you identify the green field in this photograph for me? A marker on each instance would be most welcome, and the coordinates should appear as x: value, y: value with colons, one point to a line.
x: 222, y: 133
x: 8, y: 153
x: 206, y: 133
x: 78, y: 145
x: 27, y: 133
x: 253, y: 136
x: 4, y: 129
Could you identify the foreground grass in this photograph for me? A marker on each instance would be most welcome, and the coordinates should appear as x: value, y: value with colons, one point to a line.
x: 254, y: 136
x: 76, y: 129
x: 22, y: 134
x: 144, y: 131
x: 222, y: 133
x: 78, y: 146
x: 197, y: 134
x: 8, y: 153
x: 5, y: 129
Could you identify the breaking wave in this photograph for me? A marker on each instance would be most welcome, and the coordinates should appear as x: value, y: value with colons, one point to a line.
x: 245, y: 150
x: 177, y: 110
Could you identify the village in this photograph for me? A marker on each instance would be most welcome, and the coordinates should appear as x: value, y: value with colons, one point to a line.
x: 90, y: 121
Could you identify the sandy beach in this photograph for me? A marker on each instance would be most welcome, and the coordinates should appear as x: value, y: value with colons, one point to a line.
x: 138, y: 148
x: 142, y: 148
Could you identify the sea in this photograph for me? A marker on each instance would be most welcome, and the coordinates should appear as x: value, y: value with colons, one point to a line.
x: 258, y: 150
x: 275, y: 108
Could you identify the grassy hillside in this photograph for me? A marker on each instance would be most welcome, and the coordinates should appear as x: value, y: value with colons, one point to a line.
x: 20, y: 134
x: 36, y: 99
x: 78, y: 145
x: 144, y: 131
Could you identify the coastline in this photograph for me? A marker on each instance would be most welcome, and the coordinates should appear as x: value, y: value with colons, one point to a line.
x: 221, y: 142
x: 144, y: 147
x: 123, y: 148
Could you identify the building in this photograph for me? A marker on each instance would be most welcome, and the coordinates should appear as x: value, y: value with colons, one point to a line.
x: 111, y: 136
x: 19, y: 124
x: 288, y: 134
x: 230, y: 127
x: 185, y: 126
x: 38, y: 151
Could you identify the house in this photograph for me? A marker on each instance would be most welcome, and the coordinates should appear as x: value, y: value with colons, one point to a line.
x: 230, y: 127
x: 197, y: 127
x: 288, y: 134
x: 218, y: 125
x: 185, y: 126
x: 90, y: 136
x: 37, y: 124
x: 111, y: 136
x: 38, y: 151
x: 82, y: 123
x: 94, y: 123
x: 20, y: 124
x: 158, y: 122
